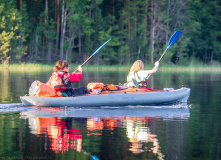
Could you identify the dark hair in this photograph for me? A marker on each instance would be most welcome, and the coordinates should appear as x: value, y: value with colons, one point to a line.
x: 60, y: 65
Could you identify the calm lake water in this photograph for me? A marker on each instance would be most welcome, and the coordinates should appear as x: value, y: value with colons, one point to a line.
x: 183, y: 131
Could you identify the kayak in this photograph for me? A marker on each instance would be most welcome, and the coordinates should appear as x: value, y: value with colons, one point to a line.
x: 131, y: 96
x: 124, y: 97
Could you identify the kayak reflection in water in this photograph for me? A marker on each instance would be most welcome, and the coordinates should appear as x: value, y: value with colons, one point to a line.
x: 140, y: 75
x: 63, y: 136
x: 62, y: 81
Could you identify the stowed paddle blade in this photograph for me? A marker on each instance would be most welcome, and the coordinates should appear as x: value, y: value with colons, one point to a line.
x: 135, y: 83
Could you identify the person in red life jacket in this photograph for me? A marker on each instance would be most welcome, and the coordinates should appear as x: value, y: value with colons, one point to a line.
x: 62, y: 81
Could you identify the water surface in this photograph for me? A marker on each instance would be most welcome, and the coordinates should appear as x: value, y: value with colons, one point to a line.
x: 182, y: 131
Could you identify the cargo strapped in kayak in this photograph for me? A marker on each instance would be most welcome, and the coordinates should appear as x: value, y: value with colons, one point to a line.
x: 108, y: 87
x: 95, y: 85
x: 111, y: 87
x: 40, y: 89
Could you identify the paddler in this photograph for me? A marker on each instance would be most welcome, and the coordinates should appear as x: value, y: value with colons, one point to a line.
x: 62, y: 81
x: 138, y: 74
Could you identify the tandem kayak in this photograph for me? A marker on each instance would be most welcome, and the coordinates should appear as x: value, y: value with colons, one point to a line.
x: 132, y: 96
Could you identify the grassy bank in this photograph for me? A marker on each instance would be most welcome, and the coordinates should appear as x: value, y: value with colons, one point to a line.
x: 49, y: 67
x: 162, y: 67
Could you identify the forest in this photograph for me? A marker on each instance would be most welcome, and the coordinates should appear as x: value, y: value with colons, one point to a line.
x: 44, y: 31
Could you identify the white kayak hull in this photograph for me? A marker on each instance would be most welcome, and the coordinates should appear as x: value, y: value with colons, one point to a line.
x: 116, y: 99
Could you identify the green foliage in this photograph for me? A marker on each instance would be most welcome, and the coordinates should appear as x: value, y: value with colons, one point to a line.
x: 66, y: 46
x: 5, y: 38
x: 205, y: 34
x: 50, y: 30
x: 8, y: 30
x: 13, y: 32
x: 32, y: 31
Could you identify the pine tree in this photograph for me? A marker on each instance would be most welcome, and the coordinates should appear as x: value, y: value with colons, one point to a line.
x: 12, y: 33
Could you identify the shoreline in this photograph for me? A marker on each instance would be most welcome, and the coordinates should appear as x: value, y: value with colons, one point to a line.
x: 163, y: 67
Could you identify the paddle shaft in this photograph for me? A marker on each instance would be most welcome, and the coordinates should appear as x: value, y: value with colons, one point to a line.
x: 84, y: 62
x: 163, y: 55
x: 92, y: 55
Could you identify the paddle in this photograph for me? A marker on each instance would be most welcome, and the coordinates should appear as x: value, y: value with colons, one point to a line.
x: 173, y: 39
x: 93, y: 54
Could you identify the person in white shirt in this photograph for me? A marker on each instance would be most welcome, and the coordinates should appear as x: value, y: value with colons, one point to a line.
x: 140, y: 75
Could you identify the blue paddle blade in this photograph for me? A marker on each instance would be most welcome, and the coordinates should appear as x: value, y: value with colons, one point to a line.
x: 100, y: 47
x: 173, y: 39
x: 94, y: 157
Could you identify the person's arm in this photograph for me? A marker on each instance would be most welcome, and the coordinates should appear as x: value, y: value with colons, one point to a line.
x: 155, y: 68
x: 145, y: 73
x: 74, y: 77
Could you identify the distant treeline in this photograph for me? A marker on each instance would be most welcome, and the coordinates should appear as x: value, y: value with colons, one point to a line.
x: 48, y: 30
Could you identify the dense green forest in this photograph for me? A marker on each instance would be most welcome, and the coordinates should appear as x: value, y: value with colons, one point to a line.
x: 44, y: 31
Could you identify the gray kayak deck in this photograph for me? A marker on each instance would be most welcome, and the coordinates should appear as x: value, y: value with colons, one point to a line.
x: 116, y: 99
